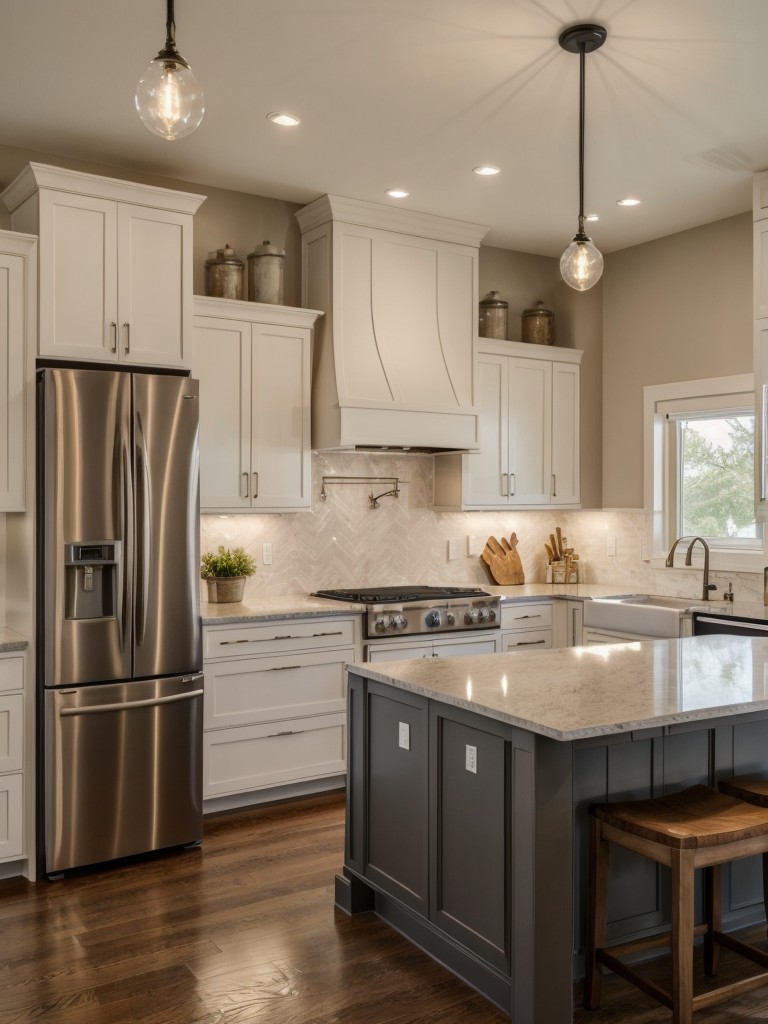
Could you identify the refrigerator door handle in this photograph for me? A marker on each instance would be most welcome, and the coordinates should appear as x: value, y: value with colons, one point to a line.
x: 143, y: 532
x: 123, y: 577
x: 93, y: 709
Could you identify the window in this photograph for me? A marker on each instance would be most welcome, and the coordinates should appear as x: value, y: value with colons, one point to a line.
x: 699, y: 469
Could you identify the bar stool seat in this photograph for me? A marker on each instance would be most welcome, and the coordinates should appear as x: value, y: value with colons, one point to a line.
x: 696, y: 828
x: 754, y: 790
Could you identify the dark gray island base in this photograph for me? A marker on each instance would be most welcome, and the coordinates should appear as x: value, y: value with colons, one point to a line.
x: 469, y: 782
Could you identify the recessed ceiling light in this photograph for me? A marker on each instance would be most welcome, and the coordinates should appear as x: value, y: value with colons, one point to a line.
x: 397, y: 193
x: 592, y: 216
x: 486, y: 169
x: 285, y: 120
x: 628, y: 202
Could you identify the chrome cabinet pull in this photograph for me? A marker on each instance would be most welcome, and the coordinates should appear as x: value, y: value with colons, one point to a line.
x: 127, y: 329
x: 113, y: 332
x: 255, y: 484
x: 245, y: 478
x: 554, y: 485
x: 287, y: 732
x: 528, y: 643
x: 505, y: 485
x: 284, y: 668
x: 512, y: 485
x: 518, y: 618
x: 337, y: 632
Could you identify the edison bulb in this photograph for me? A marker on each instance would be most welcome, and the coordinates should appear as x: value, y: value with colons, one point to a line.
x: 581, y: 265
x: 168, y: 99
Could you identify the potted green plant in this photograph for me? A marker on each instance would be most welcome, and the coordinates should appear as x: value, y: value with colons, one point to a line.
x: 225, y: 573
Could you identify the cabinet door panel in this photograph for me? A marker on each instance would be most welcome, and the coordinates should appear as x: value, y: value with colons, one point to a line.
x: 566, y: 489
x: 398, y: 798
x: 155, y: 275
x: 11, y: 816
x: 11, y: 733
x: 78, y: 276
x: 13, y: 278
x: 530, y: 431
x: 488, y: 471
x: 222, y: 364
x: 281, y: 417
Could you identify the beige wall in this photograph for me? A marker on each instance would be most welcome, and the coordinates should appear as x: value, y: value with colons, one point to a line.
x: 679, y: 308
x: 521, y: 280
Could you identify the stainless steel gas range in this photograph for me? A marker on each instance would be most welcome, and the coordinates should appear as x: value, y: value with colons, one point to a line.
x: 423, y: 621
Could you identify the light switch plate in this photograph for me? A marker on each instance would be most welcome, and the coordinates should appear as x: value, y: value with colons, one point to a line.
x: 404, y: 735
x: 266, y: 553
x: 471, y: 759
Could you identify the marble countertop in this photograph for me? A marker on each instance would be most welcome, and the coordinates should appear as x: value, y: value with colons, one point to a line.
x: 575, y: 693
x: 291, y: 606
x: 11, y: 641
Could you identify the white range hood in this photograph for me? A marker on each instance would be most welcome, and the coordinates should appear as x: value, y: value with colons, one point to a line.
x: 393, y: 365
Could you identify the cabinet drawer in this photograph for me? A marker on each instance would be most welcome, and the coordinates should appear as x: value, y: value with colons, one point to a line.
x: 526, y: 616
x: 244, y: 691
x: 11, y: 732
x: 260, y: 756
x: 279, y: 635
x: 12, y: 673
x: 11, y: 816
x: 527, y: 640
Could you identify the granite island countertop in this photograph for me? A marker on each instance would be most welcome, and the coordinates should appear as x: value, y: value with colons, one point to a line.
x: 575, y: 693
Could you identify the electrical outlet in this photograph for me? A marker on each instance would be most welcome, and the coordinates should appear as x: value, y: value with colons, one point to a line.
x: 471, y: 759
x: 473, y: 546
x: 404, y: 735
x: 266, y: 553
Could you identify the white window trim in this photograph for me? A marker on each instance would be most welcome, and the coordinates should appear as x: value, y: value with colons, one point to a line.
x: 656, y: 471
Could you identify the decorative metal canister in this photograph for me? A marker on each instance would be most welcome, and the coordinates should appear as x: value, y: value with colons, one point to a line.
x: 224, y: 274
x: 265, y: 274
x: 493, y: 316
x: 539, y: 325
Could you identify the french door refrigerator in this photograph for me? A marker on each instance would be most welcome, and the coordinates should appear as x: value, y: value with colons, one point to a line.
x: 119, y: 642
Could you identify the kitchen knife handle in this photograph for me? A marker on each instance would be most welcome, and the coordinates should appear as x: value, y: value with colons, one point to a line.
x: 127, y: 330
x: 113, y: 332
x: 255, y: 484
x: 245, y: 479
x: 505, y: 485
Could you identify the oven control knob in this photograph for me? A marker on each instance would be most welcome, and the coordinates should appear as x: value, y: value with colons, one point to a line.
x: 450, y: 619
x: 492, y: 614
x: 399, y: 621
x: 433, y: 618
x: 485, y: 614
x: 473, y: 615
x: 383, y: 623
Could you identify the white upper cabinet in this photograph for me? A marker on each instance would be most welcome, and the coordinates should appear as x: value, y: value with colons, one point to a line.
x: 394, y: 365
x: 528, y: 403
x: 115, y: 266
x: 253, y: 364
x: 18, y: 299
x: 760, y: 292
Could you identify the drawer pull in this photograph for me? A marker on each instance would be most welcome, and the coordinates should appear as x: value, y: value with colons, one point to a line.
x: 223, y: 643
x: 519, y: 617
x: 288, y: 732
x: 284, y: 668
x: 269, y: 639
x: 528, y: 643
x: 337, y: 632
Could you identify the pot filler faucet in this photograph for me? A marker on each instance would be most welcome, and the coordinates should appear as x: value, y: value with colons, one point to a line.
x: 706, y: 586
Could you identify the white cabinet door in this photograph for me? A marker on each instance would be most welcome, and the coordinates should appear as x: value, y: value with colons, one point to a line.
x: 11, y: 732
x: 530, y: 431
x: 16, y: 301
x: 488, y: 471
x: 78, y: 276
x: 154, y: 260
x: 280, y: 421
x: 465, y: 646
x: 566, y: 472
x: 11, y: 816
x: 222, y: 364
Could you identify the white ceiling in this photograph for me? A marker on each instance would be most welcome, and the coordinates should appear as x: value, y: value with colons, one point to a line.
x: 415, y: 93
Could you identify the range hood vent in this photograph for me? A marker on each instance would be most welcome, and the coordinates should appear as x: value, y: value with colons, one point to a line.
x: 393, y: 364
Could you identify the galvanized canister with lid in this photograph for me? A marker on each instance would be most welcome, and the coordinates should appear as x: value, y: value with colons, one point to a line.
x: 493, y: 316
x: 224, y: 274
x: 266, y: 274
x: 538, y: 325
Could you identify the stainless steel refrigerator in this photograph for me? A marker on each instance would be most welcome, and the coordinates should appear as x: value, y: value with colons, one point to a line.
x: 119, y: 647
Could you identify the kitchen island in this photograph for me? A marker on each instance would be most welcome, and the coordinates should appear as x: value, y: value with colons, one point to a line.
x: 469, y: 783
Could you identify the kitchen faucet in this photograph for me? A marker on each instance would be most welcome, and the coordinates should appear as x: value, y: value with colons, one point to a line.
x: 706, y: 585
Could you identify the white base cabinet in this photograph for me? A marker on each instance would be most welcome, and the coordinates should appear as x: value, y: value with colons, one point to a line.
x: 115, y: 265
x: 426, y: 647
x: 12, y: 731
x: 528, y: 402
x: 254, y: 367
x: 527, y: 627
x: 275, y: 703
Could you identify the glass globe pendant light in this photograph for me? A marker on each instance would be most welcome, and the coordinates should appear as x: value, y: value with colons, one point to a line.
x: 582, y: 263
x: 168, y: 99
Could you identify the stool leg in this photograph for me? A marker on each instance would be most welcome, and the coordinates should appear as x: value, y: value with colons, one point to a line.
x: 682, y: 936
x: 598, y: 888
x: 713, y: 918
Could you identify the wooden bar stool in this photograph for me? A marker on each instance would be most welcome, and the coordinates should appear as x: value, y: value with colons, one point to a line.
x: 696, y: 828
x: 754, y: 790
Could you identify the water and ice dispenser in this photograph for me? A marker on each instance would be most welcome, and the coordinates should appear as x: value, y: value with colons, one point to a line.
x: 92, y: 570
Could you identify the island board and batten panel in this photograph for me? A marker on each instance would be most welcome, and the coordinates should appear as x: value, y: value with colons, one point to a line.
x: 470, y: 779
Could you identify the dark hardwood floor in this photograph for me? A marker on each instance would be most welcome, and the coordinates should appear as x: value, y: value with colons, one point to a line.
x: 242, y: 930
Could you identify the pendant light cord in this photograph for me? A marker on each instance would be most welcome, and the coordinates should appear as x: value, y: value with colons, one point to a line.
x: 170, y: 27
x: 582, y: 93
